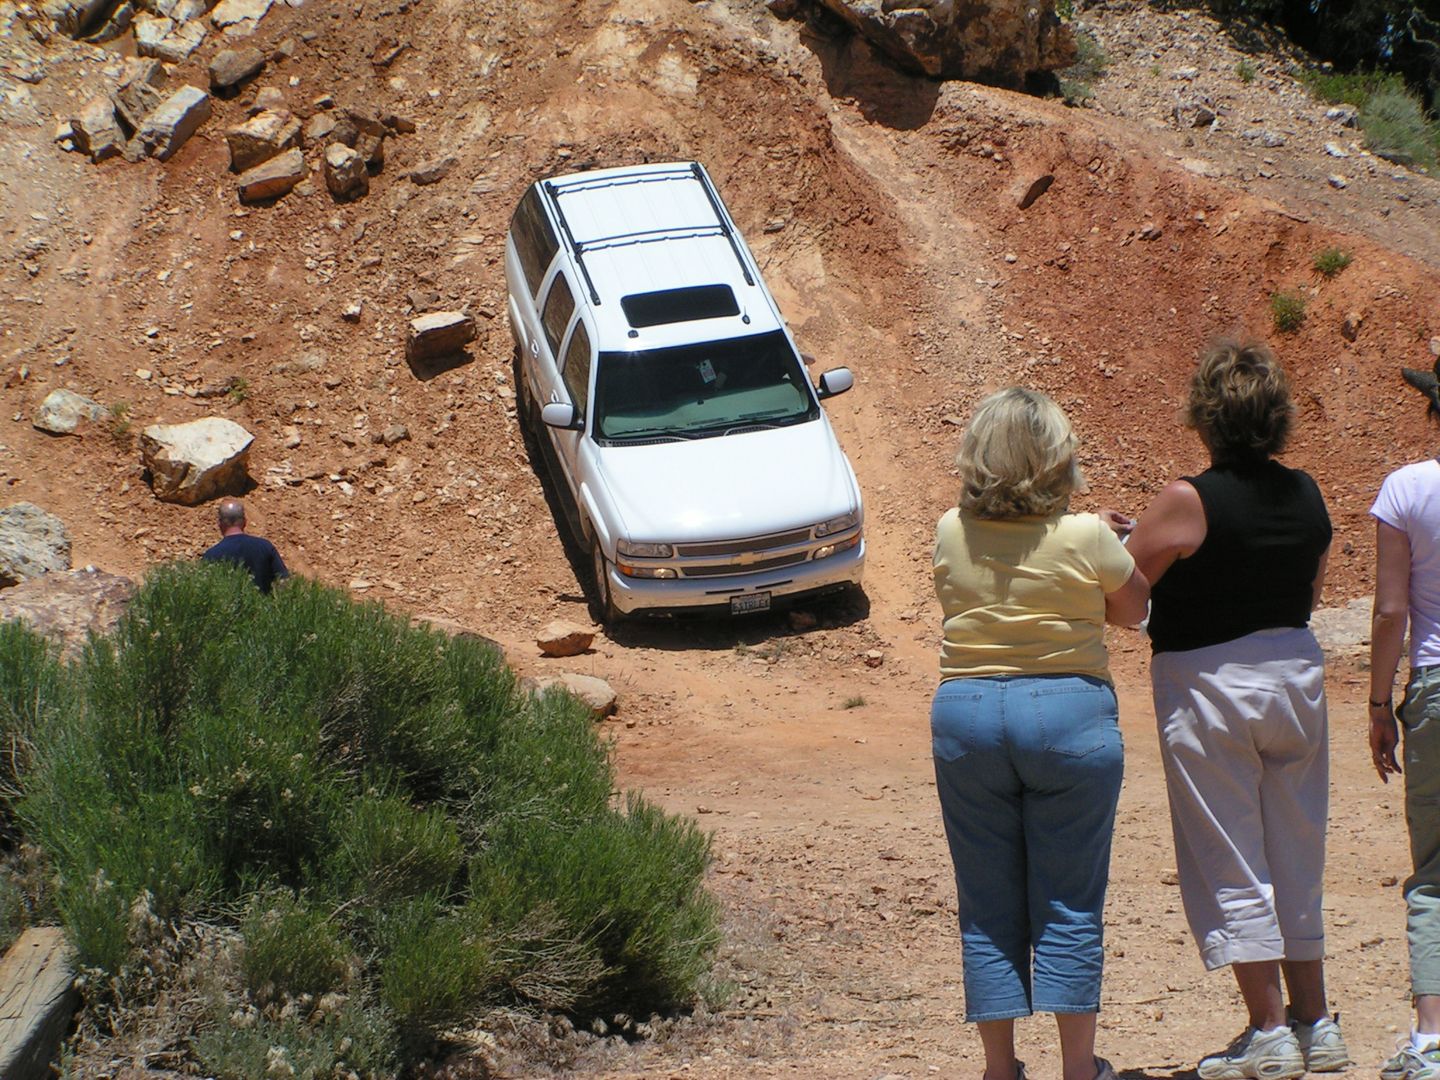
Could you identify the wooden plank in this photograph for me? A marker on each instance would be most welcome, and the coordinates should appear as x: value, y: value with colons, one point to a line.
x: 37, y: 1000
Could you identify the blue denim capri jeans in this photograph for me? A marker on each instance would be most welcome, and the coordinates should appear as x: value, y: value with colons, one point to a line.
x: 1028, y: 770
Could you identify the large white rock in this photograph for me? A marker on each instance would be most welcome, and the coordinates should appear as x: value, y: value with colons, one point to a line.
x: 63, y: 411
x: 176, y: 46
x: 150, y: 31
x: 166, y: 129
x: 95, y: 130
x: 595, y: 693
x: 32, y: 543
x: 192, y: 462
x: 67, y: 605
x: 230, y: 12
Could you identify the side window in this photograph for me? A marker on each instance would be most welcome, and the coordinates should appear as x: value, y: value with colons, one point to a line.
x: 577, y: 367
x: 559, y: 306
x: 534, y: 239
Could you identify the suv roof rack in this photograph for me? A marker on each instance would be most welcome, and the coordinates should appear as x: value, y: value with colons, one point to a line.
x: 644, y: 235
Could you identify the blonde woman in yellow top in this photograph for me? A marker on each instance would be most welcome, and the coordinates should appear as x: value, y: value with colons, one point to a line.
x: 1028, y: 758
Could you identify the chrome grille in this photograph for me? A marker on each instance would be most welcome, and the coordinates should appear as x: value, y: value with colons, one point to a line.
x: 739, y: 547
x: 744, y: 568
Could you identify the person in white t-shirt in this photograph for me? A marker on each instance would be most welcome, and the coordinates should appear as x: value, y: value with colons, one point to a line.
x: 1407, y: 592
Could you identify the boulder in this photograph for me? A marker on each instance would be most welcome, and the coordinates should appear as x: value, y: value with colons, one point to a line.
x: 32, y: 543
x: 433, y: 171
x: 183, y: 11
x: 274, y: 178
x: 95, y: 131
x: 166, y: 129
x: 76, y: 17
x: 562, y: 638
x: 63, y: 411
x: 345, y: 173
x: 442, y: 333
x: 192, y: 462
x: 135, y: 100
x: 262, y: 137
x: 1193, y: 111
x: 1001, y: 42
x: 594, y: 693
x: 66, y: 605
x: 372, y: 151
x: 150, y: 31
x: 231, y: 67
x: 230, y: 12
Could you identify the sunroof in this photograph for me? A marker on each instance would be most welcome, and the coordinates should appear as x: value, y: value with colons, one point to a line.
x: 679, y: 305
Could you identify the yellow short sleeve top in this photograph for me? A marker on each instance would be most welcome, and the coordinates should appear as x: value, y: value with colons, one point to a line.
x: 1026, y: 596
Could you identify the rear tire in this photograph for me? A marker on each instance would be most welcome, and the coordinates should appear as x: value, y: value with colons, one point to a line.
x: 602, y: 604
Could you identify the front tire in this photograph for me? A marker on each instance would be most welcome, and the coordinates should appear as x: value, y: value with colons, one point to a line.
x: 602, y: 603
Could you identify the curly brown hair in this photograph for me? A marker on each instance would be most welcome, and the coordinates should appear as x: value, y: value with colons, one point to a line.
x: 1240, y: 401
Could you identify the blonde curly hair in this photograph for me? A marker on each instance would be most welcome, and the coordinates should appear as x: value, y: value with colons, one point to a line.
x: 1017, y: 457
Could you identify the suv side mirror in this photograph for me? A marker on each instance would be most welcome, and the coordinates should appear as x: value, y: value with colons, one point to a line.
x: 563, y: 415
x: 836, y: 381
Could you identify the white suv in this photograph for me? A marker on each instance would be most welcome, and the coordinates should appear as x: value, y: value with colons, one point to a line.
x: 673, y: 403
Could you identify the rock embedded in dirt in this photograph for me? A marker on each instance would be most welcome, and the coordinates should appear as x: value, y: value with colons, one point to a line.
x: 1338, y: 182
x: 32, y: 543
x: 66, y: 605
x: 63, y: 411
x: 404, y: 125
x: 1345, y: 115
x: 176, y: 46
x: 178, y: 117
x: 267, y: 98
x: 73, y: 17
x: 371, y: 149
x: 96, y: 131
x: 264, y: 136
x: 439, y: 334
x: 594, y: 693
x: 1193, y: 112
x: 1034, y: 190
x: 150, y: 31
x: 561, y: 637
x: 1150, y: 231
x: 233, y: 12
x: 230, y: 67
x: 1435, y: 347
x: 395, y: 434
x: 319, y: 128
x: 345, y: 173
x: 434, y: 170
x: 199, y: 460
x: 1001, y: 42
x: 1350, y: 327
x: 274, y: 178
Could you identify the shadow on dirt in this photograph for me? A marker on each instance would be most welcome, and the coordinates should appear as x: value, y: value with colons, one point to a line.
x: 714, y: 633
x: 854, y: 70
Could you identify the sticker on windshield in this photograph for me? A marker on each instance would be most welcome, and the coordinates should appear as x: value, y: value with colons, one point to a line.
x: 707, y: 371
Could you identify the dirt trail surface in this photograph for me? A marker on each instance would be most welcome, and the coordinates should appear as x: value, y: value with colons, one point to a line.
x: 885, y: 213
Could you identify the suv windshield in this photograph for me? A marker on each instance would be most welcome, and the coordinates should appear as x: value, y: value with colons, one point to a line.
x: 691, y: 391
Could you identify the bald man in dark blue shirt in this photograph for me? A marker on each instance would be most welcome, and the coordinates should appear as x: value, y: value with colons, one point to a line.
x: 252, y: 552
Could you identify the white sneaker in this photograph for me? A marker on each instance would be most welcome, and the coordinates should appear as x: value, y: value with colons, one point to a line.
x: 1103, y: 1070
x: 1322, y: 1045
x: 1411, y: 1064
x: 1256, y: 1055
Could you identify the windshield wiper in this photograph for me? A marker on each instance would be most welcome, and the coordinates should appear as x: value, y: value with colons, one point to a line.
x: 651, y: 433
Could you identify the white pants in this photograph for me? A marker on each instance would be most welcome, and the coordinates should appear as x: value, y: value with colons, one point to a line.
x: 1244, y: 739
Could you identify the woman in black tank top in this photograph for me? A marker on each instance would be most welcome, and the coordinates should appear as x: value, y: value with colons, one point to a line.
x: 1237, y: 557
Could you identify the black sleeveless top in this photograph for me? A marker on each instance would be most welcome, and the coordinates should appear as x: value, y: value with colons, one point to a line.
x: 1265, y: 529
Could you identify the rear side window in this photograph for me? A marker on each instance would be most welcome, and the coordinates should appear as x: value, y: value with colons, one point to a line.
x: 535, y: 241
x: 559, y: 306
x: 577, y: 367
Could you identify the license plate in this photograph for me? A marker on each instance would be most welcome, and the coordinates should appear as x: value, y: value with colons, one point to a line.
x: 759, y: 601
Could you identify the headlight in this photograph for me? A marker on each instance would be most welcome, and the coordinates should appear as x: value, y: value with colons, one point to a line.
x: 826, y: 550
x: 837, y: 524
x: 663, y: 573
x: 644, y: 551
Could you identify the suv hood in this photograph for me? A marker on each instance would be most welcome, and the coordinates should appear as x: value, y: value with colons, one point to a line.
x: 729, y: 486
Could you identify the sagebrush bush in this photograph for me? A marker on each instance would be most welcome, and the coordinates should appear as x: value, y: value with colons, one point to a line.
x: 34, y: 691
x: 1331, y: 261
x: 1287, y: 310
x: 1397, y: 129
x: 378, y: 810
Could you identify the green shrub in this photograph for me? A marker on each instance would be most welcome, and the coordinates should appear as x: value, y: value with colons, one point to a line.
x: 1287, y: 309
x: 1077, y: 81
x: 1246, y: 71
x: 1353, y: 87
x: 1397, y: 129
x: 326, y: 1043
x: 1331, y: 261
x: 292, y: 949
x: 34, y: 692
x: 377, y: 809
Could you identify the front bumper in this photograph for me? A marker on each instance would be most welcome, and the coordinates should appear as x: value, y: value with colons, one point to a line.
x: 634, y: 595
